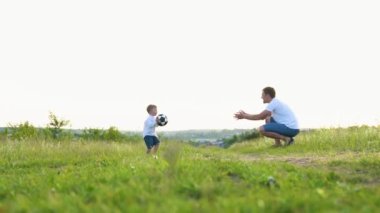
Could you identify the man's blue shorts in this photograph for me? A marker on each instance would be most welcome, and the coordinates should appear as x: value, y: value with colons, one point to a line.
x: 281, y: 129
x: 151, y: 141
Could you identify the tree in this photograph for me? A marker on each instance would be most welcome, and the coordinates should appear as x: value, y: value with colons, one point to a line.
x: 56, y: 125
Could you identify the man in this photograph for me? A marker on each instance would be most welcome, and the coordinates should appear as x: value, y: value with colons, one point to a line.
x: 281, y: 123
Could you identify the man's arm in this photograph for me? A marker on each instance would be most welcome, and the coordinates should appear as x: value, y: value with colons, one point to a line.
x: 243, y: 115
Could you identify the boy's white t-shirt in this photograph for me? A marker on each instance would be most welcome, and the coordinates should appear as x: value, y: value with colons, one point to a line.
x: 282, y: 114
x: 150, y: 126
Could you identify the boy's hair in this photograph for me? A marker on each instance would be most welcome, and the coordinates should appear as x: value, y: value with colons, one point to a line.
x: 269, y: 91
x: 150, y: 107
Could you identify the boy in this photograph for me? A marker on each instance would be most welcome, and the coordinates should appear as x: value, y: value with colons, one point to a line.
x: 150, y: 137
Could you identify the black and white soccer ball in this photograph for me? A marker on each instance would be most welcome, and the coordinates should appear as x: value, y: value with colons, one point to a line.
x: 162, y: 120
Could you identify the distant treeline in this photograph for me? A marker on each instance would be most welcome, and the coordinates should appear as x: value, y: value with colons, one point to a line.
x: 226, y: 136
x: 26, y: 131
x: 54, y: 131
x: 203, y: 134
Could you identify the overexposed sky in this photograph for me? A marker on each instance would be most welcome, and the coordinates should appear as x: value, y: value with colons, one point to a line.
x: 100, y: 63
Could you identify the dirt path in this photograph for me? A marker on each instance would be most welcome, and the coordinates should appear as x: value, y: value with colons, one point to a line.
x: 303, y: 161
x: 309, y: 160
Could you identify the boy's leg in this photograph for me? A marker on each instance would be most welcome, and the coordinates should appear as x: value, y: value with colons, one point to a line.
x: 156, y: 145
x: 149, y: 144
x: 155, y: 148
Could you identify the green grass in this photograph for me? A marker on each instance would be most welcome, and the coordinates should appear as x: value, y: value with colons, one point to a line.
x: 329, y: 170
x: 322, y: 141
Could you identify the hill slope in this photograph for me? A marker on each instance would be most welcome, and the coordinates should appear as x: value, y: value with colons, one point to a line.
x: 327, y: 170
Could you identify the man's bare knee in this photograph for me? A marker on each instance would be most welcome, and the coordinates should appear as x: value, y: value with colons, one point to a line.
x: 261, y: 129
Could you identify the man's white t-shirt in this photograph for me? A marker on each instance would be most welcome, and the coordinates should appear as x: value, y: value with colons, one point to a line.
x: 282, y: 114
x: 150, y: 125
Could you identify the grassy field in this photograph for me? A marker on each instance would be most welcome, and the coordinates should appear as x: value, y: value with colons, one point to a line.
x: 327, y: 170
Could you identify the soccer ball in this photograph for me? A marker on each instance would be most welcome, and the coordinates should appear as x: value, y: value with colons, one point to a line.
x: 162, y: 120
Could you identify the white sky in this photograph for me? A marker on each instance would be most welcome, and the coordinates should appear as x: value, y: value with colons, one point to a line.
x: 100, y: 63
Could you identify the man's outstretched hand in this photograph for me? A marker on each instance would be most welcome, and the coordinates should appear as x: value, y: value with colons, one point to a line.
x: 240, y: 115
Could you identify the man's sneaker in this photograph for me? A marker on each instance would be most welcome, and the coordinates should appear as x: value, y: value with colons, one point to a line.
x: 290, y: 142
x: 276, y: 146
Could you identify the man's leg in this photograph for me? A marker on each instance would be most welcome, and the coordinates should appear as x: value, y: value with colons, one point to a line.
x: 277, y: 137
x: 277, y: 142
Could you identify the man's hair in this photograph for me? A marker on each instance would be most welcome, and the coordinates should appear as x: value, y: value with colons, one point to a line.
x: 269, y: 91
x: 150, y: 107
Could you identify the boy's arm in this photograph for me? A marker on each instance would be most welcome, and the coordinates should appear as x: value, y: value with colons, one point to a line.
x: 152, y: 123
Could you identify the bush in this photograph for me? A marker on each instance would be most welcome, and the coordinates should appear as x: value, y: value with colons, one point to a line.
x: 113, y: 134
x: 249, y: 135
x: 3, y: 134
x: 22, y: 131
x: 92, y: 134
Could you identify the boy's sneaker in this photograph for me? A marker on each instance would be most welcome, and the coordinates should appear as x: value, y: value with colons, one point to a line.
x: 155, y: 157
x: 290, y: 142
